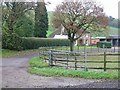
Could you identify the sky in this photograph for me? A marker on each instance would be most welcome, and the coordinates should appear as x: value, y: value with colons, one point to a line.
x: 110, y: 6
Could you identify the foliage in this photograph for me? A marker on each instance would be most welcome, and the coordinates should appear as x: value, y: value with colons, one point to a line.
x: 41, y: 20
x: 12, y: 11
x: 100, y: 33
x: 50, y: 30
x: 95, y: 33
x: 35, y: 43
x: 39, y: 67
x: 77, y: 17
x: 113, y: 22
x: 11, y: 41
x: 24, y: 26
x: 14, y: 42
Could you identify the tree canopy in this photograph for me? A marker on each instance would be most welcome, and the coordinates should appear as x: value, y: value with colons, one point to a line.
x: 78, y: 16
x: 19, y: 20
x: 41, y: 20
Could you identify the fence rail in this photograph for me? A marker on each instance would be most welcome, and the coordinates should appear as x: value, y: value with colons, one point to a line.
x: 78, y: 60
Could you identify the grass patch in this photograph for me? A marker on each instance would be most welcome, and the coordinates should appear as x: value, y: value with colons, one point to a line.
x: 50, y: 30
x: 76, y: 47
x: 113, y: 31
x: 39, y: 67
x: 8, y: 53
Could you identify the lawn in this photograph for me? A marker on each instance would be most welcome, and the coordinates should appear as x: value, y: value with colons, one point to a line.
x: 39, y: 67
x: 68, y: 47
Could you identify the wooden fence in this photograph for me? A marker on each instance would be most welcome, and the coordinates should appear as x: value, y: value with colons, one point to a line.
x: 79, y: 60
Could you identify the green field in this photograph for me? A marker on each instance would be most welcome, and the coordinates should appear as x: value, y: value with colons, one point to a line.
x: 113, y: 31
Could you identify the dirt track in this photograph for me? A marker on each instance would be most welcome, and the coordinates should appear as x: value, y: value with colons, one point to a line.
x: 14, y: 75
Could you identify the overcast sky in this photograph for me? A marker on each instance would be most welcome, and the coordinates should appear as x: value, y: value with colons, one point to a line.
x: 110, y: 6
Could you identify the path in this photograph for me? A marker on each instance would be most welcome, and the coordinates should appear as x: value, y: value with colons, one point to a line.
x: 14, y: 75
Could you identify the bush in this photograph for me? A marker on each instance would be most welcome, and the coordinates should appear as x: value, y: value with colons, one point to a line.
x: 11, y: 41
x: 14, y: 42
x: 35, y: 43
x: 104, y: 44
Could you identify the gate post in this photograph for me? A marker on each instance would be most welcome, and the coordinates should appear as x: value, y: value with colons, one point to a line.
x: 104, y: 61
x: 50, y: 58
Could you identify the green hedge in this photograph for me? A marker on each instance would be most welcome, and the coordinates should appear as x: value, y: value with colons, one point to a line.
x: 104, y: 44
x: 11, y: 41
x: 14, y: 42
x: 35, y: 43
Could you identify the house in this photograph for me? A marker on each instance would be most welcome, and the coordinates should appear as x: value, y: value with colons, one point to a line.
x: 86, y: 38
x: 60, y: 33
x: 94, y: 40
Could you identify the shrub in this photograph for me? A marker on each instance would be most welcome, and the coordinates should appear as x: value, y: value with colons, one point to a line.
x: 11, y: 41
x: 35, y: 43
x: 104, y: 44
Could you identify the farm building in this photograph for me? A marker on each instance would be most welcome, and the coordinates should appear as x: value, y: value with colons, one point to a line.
x: 60, y: 33
x: 114, y: 39
x: 86, y: 38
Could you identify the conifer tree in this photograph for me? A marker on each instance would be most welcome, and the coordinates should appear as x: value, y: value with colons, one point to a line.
x: 41, y: 20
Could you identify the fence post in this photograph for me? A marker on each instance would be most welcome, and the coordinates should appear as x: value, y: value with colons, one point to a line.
x: 78, y: 47
x: 50, y: 58
x: 75, y: 62
x: 44, y: 55
x: 39, y: 53
x: 104, y: 61
x: 114, y: 48
x: 67, y: 60
x: 85, y: 60
x: 91, y: 49
x: 84, y: 49
x: 98, y: 49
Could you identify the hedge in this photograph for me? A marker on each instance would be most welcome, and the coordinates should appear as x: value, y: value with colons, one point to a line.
x: 11, y: 41
x: 104, y: 44
x: 35, y: 43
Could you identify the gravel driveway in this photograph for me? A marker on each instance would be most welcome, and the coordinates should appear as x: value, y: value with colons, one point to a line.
x: 14, y: 75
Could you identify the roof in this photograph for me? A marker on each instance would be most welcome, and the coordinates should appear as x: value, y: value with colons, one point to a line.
x: 61, y: 36
x: 101, y: 37
x: 57, y: 32
x: 114, y: 36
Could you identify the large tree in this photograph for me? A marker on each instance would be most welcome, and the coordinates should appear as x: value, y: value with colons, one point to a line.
x: 12, y: 11
x: 78, y: 16
x: 41, y: 20
x: 11, y: 14
x: 24, y: 26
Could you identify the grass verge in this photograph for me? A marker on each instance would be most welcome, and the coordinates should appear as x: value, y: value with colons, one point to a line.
x: 39, y: 67
x: 8, y: 53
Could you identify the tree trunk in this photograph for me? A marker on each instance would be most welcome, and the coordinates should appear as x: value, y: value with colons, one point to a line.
x: 71, y: 45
